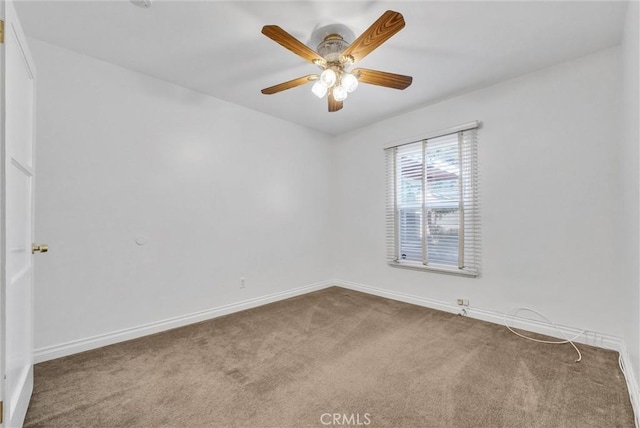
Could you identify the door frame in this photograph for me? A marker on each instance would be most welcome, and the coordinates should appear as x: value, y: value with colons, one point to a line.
x: 3, y: 211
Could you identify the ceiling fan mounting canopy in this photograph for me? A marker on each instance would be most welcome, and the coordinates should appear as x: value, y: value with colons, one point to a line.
x: 332, y: 47
x: 335, y: 56
x: 319, y: 33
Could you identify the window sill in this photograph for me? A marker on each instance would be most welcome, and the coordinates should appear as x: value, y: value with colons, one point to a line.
x: 448, y: 271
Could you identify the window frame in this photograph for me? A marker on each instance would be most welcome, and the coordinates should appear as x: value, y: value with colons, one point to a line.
x: 471, y: 194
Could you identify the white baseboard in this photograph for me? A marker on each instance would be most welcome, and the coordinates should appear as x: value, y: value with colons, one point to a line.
x: 588, y: 338
x: 601, y: 340
x: 632, y: 386
x: 76, y: 346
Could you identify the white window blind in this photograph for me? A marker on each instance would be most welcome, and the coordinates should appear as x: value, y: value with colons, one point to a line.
x: 432, y: 211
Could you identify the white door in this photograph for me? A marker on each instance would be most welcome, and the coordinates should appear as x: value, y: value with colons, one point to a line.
x: 17, y: 115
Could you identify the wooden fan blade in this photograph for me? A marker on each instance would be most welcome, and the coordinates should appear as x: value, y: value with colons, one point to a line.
x: 286, y: 40
x: 380, y: 31
x: 290, y: 84
x: 382, y: 78
x: 333, y: 104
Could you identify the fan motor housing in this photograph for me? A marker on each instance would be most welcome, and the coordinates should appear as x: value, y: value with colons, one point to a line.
x: 331, y: 47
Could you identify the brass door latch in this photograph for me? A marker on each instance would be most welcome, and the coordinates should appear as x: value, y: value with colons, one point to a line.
x: 42, y: 248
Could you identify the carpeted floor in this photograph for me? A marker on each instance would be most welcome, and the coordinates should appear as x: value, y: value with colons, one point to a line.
x: 296, y: 363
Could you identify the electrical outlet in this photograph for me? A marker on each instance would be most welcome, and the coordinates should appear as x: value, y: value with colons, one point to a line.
x: 463, y: 302
x: 242, y: 282
x: 460, y: 302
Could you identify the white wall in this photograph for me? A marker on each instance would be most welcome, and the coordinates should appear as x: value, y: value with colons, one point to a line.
x: 218, y: 191
x: 630, y: 181
x: 548, y: 153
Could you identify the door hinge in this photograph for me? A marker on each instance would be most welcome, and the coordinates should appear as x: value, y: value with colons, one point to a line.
x: 1, y: 32
x: 1, y: 411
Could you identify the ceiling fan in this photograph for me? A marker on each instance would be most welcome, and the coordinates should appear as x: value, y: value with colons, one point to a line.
x: 335, y: 57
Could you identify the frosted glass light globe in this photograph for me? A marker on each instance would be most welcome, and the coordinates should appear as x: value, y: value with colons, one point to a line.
x: 328, y: 77
x: 349, y: 82
x: 339, y: 93
x: 319, y: 89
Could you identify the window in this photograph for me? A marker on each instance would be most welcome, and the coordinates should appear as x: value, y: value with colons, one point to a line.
x: 432, y: 203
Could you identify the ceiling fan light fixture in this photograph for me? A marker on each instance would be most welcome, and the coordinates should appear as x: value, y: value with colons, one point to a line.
x: 339, y: 93
x: 328, y: 77
x: 335, y: 56
x: 349, y: 82
x: 319, y: 89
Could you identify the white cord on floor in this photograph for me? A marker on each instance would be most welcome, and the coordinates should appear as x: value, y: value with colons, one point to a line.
x: 516, y: 311
x: 567, y: 340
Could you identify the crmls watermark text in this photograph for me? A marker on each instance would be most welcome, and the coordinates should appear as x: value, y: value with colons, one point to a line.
x: 344, y: 419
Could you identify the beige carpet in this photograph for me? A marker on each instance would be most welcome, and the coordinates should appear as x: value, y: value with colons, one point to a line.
x: 365, y: 358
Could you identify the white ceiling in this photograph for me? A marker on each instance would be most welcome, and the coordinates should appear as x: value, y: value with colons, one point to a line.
x: 216, y: 47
